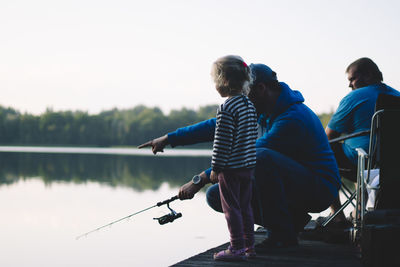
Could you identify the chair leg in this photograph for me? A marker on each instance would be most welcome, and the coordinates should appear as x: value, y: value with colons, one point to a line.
x: 349, y: 200
x: 347, y: 192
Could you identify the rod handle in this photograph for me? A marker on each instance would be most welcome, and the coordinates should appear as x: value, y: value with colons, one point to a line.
x: 167, y: 201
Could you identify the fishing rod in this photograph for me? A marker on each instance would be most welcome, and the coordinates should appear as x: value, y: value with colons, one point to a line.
x: 170, y: 217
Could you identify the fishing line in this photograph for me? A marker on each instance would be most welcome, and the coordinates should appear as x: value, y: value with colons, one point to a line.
x: 161, y: 220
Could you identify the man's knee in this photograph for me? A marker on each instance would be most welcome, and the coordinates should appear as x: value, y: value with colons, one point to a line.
x: 270, y: 157
x: 263, y: 154
x: 213, y: 198
x: 270, y: 165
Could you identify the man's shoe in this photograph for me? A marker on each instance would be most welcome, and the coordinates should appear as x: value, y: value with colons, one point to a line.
x: 337, y: 224
x: 300, y: 221
x: 333, y: 232
x: 261, y: 230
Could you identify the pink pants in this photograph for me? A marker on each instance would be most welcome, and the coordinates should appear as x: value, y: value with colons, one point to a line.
x: 235, y: 192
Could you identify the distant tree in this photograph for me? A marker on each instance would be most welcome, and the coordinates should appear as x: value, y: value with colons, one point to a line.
x: 207, y: 112
x: 126, y: 127
x: 325, y: 118
x: 9, y: 125
x: 28, y: 130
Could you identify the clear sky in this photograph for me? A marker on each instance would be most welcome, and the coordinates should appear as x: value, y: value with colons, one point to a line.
x: 94, y: 55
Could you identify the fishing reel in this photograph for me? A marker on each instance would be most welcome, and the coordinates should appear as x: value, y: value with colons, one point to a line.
x: 162, y: 220
x: 170, y: 217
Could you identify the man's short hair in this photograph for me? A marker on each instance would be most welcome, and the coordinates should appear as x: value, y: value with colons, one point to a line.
x: 366, y: 68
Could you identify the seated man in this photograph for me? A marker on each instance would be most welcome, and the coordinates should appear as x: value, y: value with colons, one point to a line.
x: 353, y: 115
x: 296, y: 171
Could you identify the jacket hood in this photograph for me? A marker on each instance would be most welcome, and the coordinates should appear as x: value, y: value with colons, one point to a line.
x: 287, y: 98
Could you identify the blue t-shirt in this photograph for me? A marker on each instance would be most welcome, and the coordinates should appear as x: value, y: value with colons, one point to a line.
x: 354, y: 114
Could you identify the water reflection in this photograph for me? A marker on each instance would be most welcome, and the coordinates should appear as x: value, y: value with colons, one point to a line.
x: 43, y: 218
x: 137, y: 172
x: 88, y: 191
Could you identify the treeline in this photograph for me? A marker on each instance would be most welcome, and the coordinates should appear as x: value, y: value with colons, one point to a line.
x: 139, y: 173
x: 128, y: 127
x: 109, y: 128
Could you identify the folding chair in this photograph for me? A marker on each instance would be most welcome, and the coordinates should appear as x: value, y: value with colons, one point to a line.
x: 350, y: 195
x: 384, y: 102
x: 384, y: 153
x: 377, y: 230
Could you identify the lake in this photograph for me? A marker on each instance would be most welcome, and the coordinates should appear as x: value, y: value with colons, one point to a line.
x: 48, y: 198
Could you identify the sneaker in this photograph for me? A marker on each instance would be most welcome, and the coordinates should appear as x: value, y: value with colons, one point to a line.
x: 250, y: 252
x: 230, y: 254
x: 300, y: 221
x: 261, y: 230
x: 327, y: 234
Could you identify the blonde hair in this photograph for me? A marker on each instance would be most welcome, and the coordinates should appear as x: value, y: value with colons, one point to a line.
x: 231, y: 75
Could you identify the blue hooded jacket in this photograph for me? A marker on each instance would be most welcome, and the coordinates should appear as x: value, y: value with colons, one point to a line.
x: 292, y: 129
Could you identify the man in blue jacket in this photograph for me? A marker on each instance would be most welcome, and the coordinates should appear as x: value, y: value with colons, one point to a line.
x: 296, y: 171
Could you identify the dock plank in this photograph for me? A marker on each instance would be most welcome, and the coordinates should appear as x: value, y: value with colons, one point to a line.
x: 307, y: 254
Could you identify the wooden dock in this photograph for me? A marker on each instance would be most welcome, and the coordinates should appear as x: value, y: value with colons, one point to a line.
x: 307, y: 254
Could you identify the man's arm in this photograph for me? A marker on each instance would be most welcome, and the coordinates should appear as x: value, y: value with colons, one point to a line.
x: 188, y: 190
x: 332, y: 134
x: 157, y: 145
x: 193, y: 134
x: 200, y: 132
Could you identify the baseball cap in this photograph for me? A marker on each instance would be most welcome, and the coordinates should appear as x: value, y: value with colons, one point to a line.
x: 262, y: 73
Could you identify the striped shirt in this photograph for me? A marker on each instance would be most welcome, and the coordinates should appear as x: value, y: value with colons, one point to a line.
x: 235, y: 135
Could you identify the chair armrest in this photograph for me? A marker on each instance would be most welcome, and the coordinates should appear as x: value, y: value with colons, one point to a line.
x: 341, y: 138
x: 361, y: 152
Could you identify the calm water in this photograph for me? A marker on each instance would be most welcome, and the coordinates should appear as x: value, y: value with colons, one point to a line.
x: 48, y: 199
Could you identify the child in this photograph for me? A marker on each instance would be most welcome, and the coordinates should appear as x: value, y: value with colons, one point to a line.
x: 234, y: 155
